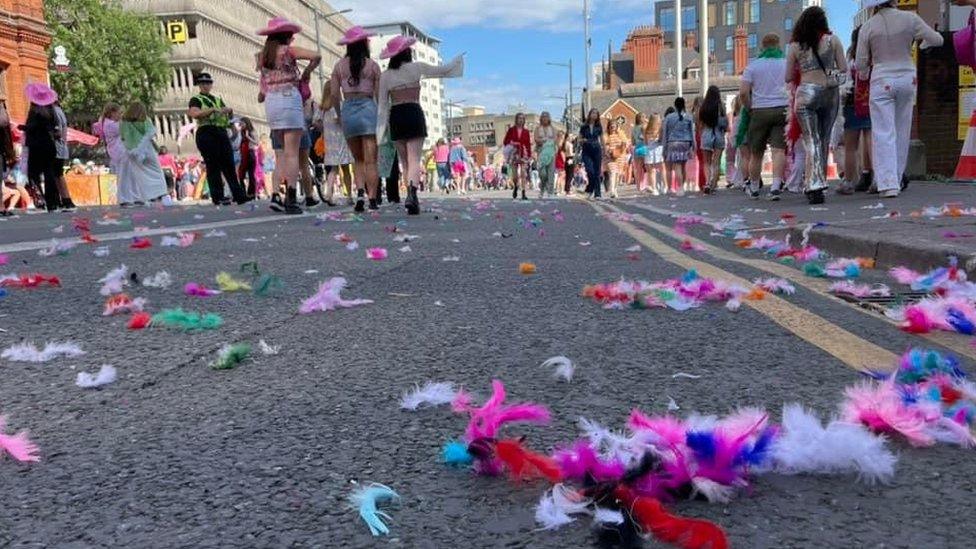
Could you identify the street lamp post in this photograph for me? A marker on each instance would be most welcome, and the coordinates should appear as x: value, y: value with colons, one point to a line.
x: 570, y: 67
x: 586, y: 46
x: 679, y: 48
x: 318, y: 37
x: 703, y: 44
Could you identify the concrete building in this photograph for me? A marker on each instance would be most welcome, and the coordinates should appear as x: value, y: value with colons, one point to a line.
x: 220, y: 39
x: 24, y: 39
x: 725, y: 17
x: 480, y: 129
x: 425, y: 50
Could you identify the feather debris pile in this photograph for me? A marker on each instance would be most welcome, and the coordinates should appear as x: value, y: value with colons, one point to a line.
x: 951, y: 306
x: 28, y: 352
x: 680, y: 294
x: 123, y: 304
x: 187, y: 321
x: 927, y: 399
x: 29, y: 280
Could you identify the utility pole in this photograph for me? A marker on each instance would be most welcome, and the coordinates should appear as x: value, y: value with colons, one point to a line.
x: 318, y: 38
x: 589, y: 65
x: 703, y: 44
x: 679, y: 48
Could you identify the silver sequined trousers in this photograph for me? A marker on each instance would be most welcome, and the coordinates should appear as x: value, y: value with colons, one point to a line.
x: 816, y: 110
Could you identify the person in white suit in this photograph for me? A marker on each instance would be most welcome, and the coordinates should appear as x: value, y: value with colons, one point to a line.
x: 884, y: 50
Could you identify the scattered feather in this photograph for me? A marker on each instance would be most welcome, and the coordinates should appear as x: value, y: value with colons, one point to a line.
x: 267, y: 349
x: 113, y: 282
x: 432, y: 394
x: 104, y: 376
x: 139, y: 321
x: 186, y: 320
x: 101, y: 251
x: 376, y: 254
x: 228, y: 283
x: 162, y: 280
x: 28, y: 352
x: 230, y: 356
x: 328, y: 298
x: 564, y: 367
x: 18, y: 446
x: 366, y: 500
x: 684, y: 375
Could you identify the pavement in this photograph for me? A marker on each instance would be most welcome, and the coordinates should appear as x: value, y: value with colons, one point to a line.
x: 176, y: 454
x: 893, y: 232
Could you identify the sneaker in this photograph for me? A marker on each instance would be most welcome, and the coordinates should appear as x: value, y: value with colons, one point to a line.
x: 125, y: 204
x: 291, y: 206
x: 311, y: 202
x: 890, y: 193
x: 167, y: 201
x: 374, y: 204
x: 360, y: 201
x: 752, y: 189
x: 815, y: 197
x: 774, y: 194
x: 276, y: 203
x: 904, y: 182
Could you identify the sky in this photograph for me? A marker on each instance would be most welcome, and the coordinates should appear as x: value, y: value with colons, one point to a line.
x: 508, y: 42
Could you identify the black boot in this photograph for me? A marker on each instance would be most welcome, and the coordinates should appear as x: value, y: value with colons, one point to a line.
x: 864, y: 183
x: 360, y: 200
x: 515, y: 193
x: 815, y: 197
x: 374, y: 204
x: 904, y: 182
x: 413, y: 202
x: 276, y: 203
x: 291, y: 202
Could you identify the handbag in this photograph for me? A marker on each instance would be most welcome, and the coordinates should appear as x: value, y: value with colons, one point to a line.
x: 834, y: 77
x: 862, y: 96
x: 964, y: 42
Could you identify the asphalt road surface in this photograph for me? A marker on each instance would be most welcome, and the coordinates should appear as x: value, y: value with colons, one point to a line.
x: 176, y: 454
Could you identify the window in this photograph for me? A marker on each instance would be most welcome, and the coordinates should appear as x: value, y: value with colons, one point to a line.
x: 754, y: 11
x: 711, y: 45
x: 730, y: 13
x: 788, y: 24
x: 753, y: 41
x: 689, y: 18
x: 667, y: 20
x: 728, y: 43
x: 712, y: 16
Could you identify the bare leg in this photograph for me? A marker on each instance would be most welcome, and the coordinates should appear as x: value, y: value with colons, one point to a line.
x: 372, y: 172
x: 305, y: 174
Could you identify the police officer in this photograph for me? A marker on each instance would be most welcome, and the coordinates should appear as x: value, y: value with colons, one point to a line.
x: 213, y: 121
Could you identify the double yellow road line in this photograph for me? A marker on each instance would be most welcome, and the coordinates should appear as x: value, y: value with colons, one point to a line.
x: 852, y: 350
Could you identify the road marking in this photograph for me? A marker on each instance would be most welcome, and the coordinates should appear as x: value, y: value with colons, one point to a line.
x: 957, y: 343
x: 850, y: 349
x: 125, y: 235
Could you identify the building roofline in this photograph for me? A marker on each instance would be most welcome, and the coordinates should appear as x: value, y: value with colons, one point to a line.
x: 408, y: 24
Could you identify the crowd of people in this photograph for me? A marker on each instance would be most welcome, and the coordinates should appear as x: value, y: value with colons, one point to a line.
x: 795, y: 105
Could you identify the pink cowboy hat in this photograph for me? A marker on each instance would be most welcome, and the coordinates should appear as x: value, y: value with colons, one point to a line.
x: 396, y: 46
x: 40, y: 94
x: 280, y: 25
x: 355, y: 34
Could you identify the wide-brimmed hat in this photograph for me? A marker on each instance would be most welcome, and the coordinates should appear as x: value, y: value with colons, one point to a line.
x: 40, y: 94
x: 355, y: 34
x: 865, y: 4
x: 203, y: 78
x: 280, y: 25
x: 397, y: 45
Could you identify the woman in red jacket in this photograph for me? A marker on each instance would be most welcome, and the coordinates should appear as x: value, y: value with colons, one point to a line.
x: 518, y: 151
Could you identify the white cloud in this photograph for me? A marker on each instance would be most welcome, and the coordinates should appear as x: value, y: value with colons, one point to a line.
x: 547, y: 15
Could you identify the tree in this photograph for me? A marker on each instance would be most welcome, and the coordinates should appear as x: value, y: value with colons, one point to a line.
x: 116, y: 56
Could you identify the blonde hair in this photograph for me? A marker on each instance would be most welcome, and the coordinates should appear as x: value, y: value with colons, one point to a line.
x: 135, y: 112
x: 653, y: 129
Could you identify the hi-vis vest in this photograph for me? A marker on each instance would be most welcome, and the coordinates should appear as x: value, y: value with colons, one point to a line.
x: 216, y: 119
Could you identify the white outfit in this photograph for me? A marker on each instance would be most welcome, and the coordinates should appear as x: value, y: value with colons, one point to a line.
x: 885, y: 50
x: 409, y: 75
x: 768, y: 79
x: 142, y: 173
x: 119, y: 161
x: 337, y: 151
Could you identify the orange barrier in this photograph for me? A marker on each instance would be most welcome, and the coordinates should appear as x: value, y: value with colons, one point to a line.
x: 966, y: 168
x: 92, y: 190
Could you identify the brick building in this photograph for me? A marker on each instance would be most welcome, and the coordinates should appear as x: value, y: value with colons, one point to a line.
x: 24, y: 39
x: 725, y: 18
